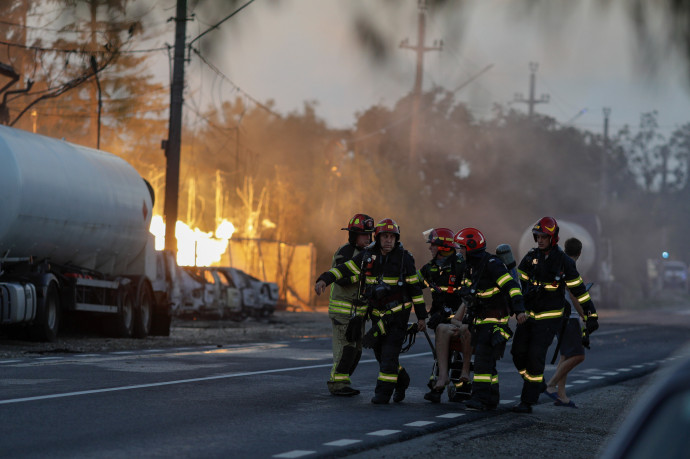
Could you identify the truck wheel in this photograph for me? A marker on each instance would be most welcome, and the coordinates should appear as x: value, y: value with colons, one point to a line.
x: 123, y: 322
x: 47, y: 322
x: 143, y: 310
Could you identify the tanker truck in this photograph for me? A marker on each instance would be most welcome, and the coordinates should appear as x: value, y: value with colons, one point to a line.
x: 594, y: 265
x: 75, y: 240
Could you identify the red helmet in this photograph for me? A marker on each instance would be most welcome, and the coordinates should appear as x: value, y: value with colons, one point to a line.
x: 387, y: 225
x: 442, y: 237
x: 548, y: 227
x: 471, y: 238
x: 360, y: 223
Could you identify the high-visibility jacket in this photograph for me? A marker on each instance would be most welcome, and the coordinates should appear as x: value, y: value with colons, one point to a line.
x: 345, y: 290
x: 388, y: 279
x: 544, y: 276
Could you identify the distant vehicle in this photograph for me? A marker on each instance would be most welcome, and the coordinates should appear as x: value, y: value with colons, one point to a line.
x: 268, y: 294
x: 75, y: 240
x: 220, y: 298
x: 255, y: 298
x: 674, y: 275
x: 659, y: 422
x: 192, y: 295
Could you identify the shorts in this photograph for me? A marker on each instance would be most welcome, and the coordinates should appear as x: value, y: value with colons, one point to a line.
x: 571, y: 341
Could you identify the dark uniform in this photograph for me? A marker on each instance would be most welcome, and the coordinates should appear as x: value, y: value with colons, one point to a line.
x: 494, y: 295
x: 391, y: 289
x: 444, y: 277
x: 544, y: 275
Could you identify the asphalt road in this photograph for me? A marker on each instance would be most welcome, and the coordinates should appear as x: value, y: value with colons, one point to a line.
x: 270, y: 399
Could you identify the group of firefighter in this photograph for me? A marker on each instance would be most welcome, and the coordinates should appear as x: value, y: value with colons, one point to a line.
x: 474, y: 293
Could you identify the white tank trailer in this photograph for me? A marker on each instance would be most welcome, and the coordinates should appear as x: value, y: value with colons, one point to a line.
x: 75, y: 240
x: 594, y: 264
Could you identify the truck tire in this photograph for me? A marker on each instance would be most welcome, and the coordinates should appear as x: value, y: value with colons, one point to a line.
x: 143, y: 311
x: 122, y: 324
x: 45, y: 326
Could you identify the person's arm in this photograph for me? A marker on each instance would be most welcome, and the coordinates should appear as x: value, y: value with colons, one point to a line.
x: 414, y: 290
x: 344, y: 270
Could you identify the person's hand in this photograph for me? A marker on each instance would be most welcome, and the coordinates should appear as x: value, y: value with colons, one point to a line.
x: 320, y: 287
x: 421, y: 325
x: 521, y: 318
x: 592, y: 324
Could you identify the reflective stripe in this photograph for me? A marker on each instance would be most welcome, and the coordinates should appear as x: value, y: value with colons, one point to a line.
x: 573, y: 282
x: 388, y: 377
x: 491, y: 320
x: 545, y: 314
x: 488, y: 292
x: 338, y: 275
x: 515, y: 292
x: 339, y: 377
x: 523, y: 275
x: 494, y: 379
x: 352, y: 267
x: 533, y: 378
x: 418, y: 299
x: 412, y: 279
x: 482, y: 378
x: 503, y: 279
x: 584, y: 297
x: 503, y: 333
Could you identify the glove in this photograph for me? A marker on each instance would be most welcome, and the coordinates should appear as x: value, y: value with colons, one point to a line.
x: 585, y: 337
x: 592, y: 324
x: 369, y: 339
x: 435, y: 319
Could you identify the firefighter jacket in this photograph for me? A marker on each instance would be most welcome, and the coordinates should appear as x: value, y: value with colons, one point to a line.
x: 444, y: 277
x: 390, y: 281
x: 544, y: 277
x: 495, y: 294
x: 344, y: 291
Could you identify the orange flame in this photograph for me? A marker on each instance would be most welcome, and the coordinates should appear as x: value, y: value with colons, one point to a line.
x: 194, y: 247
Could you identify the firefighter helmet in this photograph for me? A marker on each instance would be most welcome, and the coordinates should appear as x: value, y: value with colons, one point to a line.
x: 471, y: 238
x: 387, y: 225
x: 360, y: 223
x: 548, y: 227
x: 442, y: 237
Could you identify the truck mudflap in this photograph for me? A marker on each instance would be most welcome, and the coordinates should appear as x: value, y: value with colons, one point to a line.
x: 17, y: 303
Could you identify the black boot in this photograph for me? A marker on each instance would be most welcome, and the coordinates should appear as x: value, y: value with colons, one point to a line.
x: 401, y: 386
x: 434, y: 395
x: 522, y: 407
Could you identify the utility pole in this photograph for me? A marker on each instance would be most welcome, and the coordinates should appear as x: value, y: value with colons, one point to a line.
x: 604, y: 161
x: 420, y: 49
x: 172, y: 145
x: 531, y: 102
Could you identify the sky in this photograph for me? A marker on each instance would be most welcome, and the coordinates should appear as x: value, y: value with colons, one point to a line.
x: 292, y: 51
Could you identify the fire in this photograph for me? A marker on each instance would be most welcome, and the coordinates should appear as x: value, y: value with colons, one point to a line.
x: 194, y: 247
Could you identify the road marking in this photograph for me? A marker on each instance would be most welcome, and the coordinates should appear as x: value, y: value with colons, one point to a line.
x: 123, y: 352
x: 9, y: 361
x: 610, y: 373
x: 295, y: 453
x: 343, y: 442
x: 505, y: 402
x: 420, y: 423
x: 623, y: 369
x: 637, y: 366
x: 450, y: 415
x: 596, y: 377
x: 383, y: 433
x: 49, y: 358
x: 580, y: 381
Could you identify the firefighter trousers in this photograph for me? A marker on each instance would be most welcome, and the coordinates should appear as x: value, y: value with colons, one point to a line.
x: 485, y: 379
x: 346, y: 354
x: 387, y: 353
x: 530, y: 344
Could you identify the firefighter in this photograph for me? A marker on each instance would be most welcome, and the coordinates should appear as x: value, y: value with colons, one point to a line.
x: 443, y: 274
x: 346, y: 312
x: 545, y: 271
x: 387, y: 273
x: 492, y: 295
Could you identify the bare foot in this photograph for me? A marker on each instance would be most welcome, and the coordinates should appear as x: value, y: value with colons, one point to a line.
x: 440, y: 384
x: 465, y: 377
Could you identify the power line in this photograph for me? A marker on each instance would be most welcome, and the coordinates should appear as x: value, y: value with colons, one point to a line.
x: 78, y: 51
x: 221, y: 21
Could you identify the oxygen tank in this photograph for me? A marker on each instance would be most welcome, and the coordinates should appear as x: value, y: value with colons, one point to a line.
x: 72, y: 205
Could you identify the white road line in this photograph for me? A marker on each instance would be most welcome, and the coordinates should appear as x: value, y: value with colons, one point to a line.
x: 637, y: 366
x: 295, y: 453
x: 87, y: 355
x: 123, y: 352
x: 596, y: 377
x: 580, y: 381
x: 420, y: 423
x: 450, y: 415
x: 164, y: 383
x: 610, y: 373
x: 623, y: 369
x: 9, y: 361
x: 343, y: 442
x: 383, y: 433
x: 50, y: 358
x: 505, y: 402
